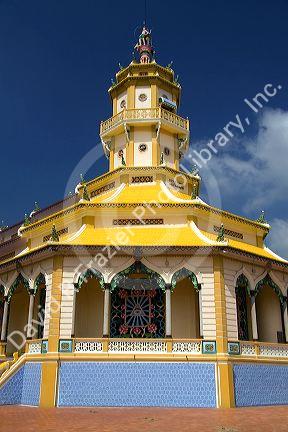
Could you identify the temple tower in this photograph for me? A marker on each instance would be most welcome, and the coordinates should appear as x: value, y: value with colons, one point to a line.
x: 145, y: 129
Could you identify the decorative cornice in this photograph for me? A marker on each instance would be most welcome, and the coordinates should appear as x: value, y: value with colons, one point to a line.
x: 74, y: 250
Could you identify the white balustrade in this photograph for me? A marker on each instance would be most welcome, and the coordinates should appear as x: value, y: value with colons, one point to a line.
x: 137, y: 347
x: 34, y: 348
x: 266, y: 350
x: 248, y: 349
x: 88, y: 346
x: 187, y: 347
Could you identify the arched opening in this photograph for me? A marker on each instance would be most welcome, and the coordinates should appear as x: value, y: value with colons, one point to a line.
x: 18, y: 298
x: 39, y: 306
x: 89, y: 305
x: 243, y: 306
x: 269, y: 311
x: 137, y: 303
x: 185, y: 305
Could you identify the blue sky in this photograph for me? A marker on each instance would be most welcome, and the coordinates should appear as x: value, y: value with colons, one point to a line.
x: 58, y: 58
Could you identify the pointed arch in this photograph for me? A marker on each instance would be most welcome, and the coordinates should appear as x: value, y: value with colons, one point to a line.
x: 137, y: 267
x: 20, y: 279
x: 267, y: 280
x: 244, y: 272
x: 89, y: 273
x: 242, y: 281
x: 184, y: 273
x: 40, y: 280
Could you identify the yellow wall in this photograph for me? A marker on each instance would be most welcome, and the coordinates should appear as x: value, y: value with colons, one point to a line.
x: 268, y: 315
x: 185, y: 311
x: 89, y: 310
x: 18, y: 318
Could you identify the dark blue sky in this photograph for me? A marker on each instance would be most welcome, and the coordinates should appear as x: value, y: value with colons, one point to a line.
x: 58, y: 57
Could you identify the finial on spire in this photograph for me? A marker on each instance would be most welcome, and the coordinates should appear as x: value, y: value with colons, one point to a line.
x: 144, y: 46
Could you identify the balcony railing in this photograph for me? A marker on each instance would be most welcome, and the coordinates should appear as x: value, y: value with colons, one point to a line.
x: 186, y: 347
x: 136, y: 346
x: 261, y: 349
x: 144, y: 114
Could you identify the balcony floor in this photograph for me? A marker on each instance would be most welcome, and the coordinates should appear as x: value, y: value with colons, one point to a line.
x: 24, y: 419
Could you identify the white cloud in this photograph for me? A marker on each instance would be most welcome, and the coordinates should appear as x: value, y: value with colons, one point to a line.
x: 250, y: 175
x: 278, y: 237
x: 259, y: 168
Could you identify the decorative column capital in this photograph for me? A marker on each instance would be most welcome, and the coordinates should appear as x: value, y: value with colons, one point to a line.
x: 168, y: 286
x: 253, y: 293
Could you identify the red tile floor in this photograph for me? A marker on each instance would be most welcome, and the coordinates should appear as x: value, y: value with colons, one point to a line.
x: 25, y: 419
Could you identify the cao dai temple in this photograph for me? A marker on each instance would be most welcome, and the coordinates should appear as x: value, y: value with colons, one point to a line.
x: 135, y: 292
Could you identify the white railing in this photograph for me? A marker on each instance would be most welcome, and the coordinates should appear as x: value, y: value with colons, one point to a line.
x: 263, y: 349
x: 34, y: 347
x: 144, y: 114
x: 248, y: 349
x: 187, y: 347
x: 88, y: 347
x: 266, y: 350
x: 133, y: 346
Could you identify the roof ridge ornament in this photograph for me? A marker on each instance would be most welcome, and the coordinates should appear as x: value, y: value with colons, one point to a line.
x: 261, y: 219
x: 144, y: 46
x: 221, y: 234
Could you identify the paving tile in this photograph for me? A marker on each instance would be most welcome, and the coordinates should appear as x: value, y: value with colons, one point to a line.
x: 27, y: 419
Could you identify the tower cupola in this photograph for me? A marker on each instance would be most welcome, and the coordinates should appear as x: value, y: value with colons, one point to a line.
x: 145, y: 129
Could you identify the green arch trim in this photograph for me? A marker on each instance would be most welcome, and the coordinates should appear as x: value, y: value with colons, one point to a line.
x: 18, y: 281
x: 137, y: 267
x: 183, y: 274
x: 40, y: 280
x: 243, y: 282
x: 89, y: 274
x: 267, y: 280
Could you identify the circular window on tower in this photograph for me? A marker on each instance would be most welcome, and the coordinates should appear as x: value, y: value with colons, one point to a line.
x: 142, y: 97
x: 166, y: 151
x: 123, y: 104
x: 142, y: 147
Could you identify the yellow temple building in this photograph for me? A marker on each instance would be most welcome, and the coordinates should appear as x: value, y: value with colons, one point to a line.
x: 135, y: 292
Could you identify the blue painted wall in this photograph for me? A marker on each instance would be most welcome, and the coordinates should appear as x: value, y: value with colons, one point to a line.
x: 23, y: 388
x: 260, y: 384
x: 160, y: 384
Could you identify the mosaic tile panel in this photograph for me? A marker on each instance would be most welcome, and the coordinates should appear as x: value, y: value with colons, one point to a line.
x: 11, y: 392
x: 23, y: 388
x: 31, y: 384
x: 260, y: 384
x: 137, y: 384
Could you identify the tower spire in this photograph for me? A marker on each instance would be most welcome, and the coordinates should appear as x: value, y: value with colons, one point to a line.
x: 144, y: 45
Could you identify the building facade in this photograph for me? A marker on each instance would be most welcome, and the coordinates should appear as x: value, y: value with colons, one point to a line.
x: 135, y: 292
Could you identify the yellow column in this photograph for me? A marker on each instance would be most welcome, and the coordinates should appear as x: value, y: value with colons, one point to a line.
x: 220, y: 305
x: 154, y: 102
x: 114, y: 106
x: 226, y: 398
x: 131, y: 97
x: 50, y: 368
x: 224, y: 368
